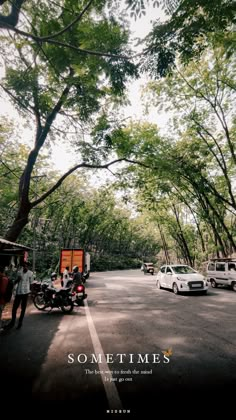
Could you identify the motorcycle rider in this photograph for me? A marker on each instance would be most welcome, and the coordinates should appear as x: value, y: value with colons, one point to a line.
x: 78, y: 281
x: 76, y: 275
x: 53, y: 279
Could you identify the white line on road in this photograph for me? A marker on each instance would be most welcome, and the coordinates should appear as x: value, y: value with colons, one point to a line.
x: 110, y: 388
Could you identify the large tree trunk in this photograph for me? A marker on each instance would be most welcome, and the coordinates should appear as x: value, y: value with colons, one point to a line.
x: 25, y: 205
x: 164, y: 244
x: 185, y: 247
x: 19, y: 223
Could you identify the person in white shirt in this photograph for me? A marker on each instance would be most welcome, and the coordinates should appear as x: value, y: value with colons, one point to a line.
x: 66, y: 276
x: 24, y: 280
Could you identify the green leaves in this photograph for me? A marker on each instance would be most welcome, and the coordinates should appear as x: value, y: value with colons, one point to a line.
x: 185, y: 34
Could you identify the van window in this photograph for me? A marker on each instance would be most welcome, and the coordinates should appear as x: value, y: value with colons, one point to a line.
x: 211, y: 267
x: 220, y: 266
x: 163, y: 269
x: 232, y: 266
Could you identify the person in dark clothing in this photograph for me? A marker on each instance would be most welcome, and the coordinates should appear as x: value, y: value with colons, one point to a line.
x: 77, y: 277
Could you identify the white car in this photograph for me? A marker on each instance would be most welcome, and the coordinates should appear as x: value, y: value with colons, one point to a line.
x: 181, y: 278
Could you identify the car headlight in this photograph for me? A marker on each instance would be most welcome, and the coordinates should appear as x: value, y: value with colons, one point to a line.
x: 183, y: 281
x: 179, y: 278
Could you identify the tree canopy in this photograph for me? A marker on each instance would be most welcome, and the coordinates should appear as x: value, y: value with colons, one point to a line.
x: 185, y: 34
x: 67, y: 66
x: 56, y: 86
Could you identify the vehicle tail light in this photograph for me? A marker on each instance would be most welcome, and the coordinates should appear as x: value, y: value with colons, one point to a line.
x: 80, y: 288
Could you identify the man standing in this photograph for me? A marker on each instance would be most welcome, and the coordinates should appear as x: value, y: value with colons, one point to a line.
x: 66, y: 276
x: 3, y: 287
x: 24, y: 280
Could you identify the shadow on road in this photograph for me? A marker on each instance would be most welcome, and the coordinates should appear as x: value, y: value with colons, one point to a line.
x: 22, y: 352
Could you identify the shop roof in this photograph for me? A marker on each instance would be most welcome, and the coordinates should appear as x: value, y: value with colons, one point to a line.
x: 8, y: 245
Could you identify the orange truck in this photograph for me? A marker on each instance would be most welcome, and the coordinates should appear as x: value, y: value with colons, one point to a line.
x: 71, y: 257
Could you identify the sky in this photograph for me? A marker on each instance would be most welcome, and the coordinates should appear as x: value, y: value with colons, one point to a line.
x: 61, y: 155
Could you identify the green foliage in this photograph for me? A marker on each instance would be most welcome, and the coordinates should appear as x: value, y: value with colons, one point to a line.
x: 37, y: 77
x: 193, y: 168
x: 138, y: 7
x: 185, y: 34
x: 12, y: 155
x: 77, y: 216
x: 184, y: 181
x: 66, y: 63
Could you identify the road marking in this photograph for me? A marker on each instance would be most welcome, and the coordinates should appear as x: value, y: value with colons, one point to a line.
x: 110, y: 388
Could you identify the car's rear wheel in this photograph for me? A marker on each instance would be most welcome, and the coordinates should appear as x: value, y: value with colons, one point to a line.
x: 234, y: 286
x: 213, y: 283
x: 175, y: 289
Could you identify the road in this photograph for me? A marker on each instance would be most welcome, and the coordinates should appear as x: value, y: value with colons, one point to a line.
x: 128, y: 348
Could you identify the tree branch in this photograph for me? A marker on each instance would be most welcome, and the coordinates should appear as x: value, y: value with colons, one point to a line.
x: 40, y: 40
x: 81, y: 165
x: 77, y: 19
x: 28, y: 109
x: 11, y: 20
x: 9, y: 169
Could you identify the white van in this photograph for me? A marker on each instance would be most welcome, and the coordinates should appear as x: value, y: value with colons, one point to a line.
x: 222, y: 271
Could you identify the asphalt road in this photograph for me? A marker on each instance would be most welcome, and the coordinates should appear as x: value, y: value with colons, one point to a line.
x: 130, y: 349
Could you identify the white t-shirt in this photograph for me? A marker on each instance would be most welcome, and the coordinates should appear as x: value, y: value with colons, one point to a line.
x: 23, y: 287
x: 65, y: 277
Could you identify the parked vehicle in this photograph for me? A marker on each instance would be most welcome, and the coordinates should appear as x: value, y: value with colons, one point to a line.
x: 222, y: 271
x: 147, y: 268
x: 51, y: 297
x: 181, y: 278
x: 71, y: 257
x: 35, y: 288
x: 78, y: 290
x: 80, y: 294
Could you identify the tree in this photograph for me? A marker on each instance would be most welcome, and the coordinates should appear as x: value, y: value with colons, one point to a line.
x: 185, y: 34
x: 12, y: 11
x: 181, y: 170
x: 12, y: 156
x: 79, y: 216
x: 57, y: 87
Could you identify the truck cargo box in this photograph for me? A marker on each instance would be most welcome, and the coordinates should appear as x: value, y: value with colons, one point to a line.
x: 70, y: 258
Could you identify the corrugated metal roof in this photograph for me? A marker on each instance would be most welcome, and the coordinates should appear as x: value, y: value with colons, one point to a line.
x: 13, y: 244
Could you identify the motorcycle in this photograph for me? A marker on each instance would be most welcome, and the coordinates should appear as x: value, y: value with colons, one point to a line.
x: 50, y: 298
x: 35, y: 288
x: 79, y: 290
x: 80, y: 294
